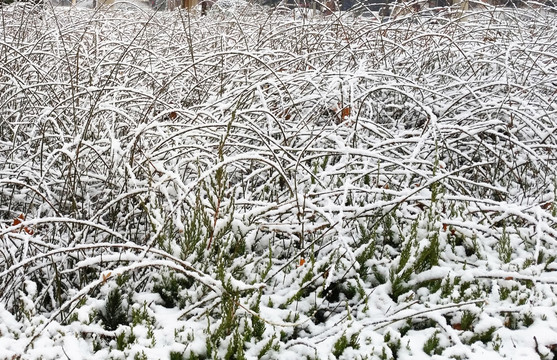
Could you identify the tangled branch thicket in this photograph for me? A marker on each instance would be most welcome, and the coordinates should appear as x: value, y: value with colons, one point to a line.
x: 307, y: 186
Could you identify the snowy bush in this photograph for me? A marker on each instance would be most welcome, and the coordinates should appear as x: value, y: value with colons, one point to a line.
x: 260, y: 186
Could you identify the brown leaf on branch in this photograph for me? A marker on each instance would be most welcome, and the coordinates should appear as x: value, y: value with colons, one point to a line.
x: 18, y: 220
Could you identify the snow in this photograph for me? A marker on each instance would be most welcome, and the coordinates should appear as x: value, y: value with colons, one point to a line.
x: 277, y: 184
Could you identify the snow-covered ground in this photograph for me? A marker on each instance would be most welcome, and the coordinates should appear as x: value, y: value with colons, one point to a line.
x: 254, y: 184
